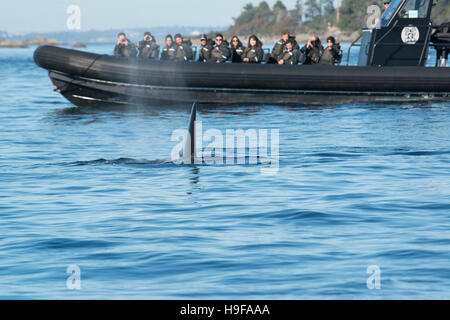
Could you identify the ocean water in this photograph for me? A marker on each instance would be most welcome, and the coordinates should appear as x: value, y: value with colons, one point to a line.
x: 358, y: 185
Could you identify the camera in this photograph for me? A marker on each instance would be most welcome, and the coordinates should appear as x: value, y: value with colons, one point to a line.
x: 336, y: 47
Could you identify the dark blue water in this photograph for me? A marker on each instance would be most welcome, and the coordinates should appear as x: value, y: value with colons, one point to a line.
x: 358, y: 185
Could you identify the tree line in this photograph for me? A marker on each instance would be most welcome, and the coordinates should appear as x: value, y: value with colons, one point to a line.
x: 314, y: 14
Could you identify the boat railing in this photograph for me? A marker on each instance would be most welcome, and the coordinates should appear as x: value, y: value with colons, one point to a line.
x: 353, y: 44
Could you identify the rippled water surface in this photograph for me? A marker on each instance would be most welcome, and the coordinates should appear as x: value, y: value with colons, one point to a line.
x: 358, y: 185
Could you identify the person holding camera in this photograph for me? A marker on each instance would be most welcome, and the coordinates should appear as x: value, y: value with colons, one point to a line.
x: 290, y: 55
x: 124, y: 47
x: 332, y: 53
x: 148, y: 49
x: 312, y: 51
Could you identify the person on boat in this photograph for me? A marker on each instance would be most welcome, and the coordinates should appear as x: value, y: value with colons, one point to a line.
x: 237, y: 50
x: 183, y: 51
x: 206, y: 47
x: 168, y: 53
x: 332, y: 54
x: 148, y: 49
x: 280, y: 46
x: 312, y: 51
x: 220, y: 53
x: 290, y: 55
x: 386, y: 4
x: 124, y: 47
x: 254, y: 52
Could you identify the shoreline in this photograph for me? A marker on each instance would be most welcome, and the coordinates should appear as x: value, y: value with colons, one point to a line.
x: 267, y: 39
x: 36, y: 41
x: 301, y: 37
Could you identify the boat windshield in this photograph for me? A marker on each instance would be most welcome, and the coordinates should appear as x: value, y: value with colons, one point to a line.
x: 389, y: 12
x: 414, y: 9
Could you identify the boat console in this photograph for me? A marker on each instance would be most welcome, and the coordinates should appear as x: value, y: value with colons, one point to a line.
x: 402, y: 36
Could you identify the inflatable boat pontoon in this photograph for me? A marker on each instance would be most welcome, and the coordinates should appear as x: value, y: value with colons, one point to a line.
x: 391, y: 67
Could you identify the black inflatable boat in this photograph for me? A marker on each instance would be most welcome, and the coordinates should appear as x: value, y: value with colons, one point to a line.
x: 391, y: 67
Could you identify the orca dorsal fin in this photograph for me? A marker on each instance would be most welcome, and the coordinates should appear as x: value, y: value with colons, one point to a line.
x: 189, y: 148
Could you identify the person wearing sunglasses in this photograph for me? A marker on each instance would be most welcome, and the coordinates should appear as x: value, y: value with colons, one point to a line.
x: 220, y: 53
x: 237, y: 49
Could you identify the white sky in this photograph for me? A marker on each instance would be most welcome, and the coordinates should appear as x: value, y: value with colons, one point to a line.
x: 18, y: 16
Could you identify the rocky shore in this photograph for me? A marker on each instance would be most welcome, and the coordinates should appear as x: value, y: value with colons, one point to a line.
x: 37, y: 41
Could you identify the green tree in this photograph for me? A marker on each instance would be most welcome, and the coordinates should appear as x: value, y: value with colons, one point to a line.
x: 353, y: 13
x: 299, y: 11
x: 441, y: 12
x: 327, y: 7
x: 247, y: 15
x: 263, y: 6
x: 279, y: 5
x: 312, y: 9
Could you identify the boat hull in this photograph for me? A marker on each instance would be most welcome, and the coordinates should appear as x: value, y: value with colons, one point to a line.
x: 88, y: 79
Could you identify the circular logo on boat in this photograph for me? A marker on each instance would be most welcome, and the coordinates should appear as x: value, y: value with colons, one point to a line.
x: 410, y: 35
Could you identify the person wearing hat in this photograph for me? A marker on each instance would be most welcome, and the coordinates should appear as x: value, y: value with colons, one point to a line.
x: 168, y: 53
x: 386, y: 4
x: 148, y: 49
x: 183, y: 51
x: 205, y: 49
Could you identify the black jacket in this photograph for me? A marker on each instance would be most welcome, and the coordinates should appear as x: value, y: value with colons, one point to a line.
x: 237, y: 54
x: 331, y: 56
x: 290, y: 57
x: 148, y: 49
x: 280, y: 46
x: 168, y: 53
x: 183, y: 52
x: 220, y: 53
x: 121, y: 50
x: 205, y: 52
x: 254, y: 54
x: 311, y: 55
